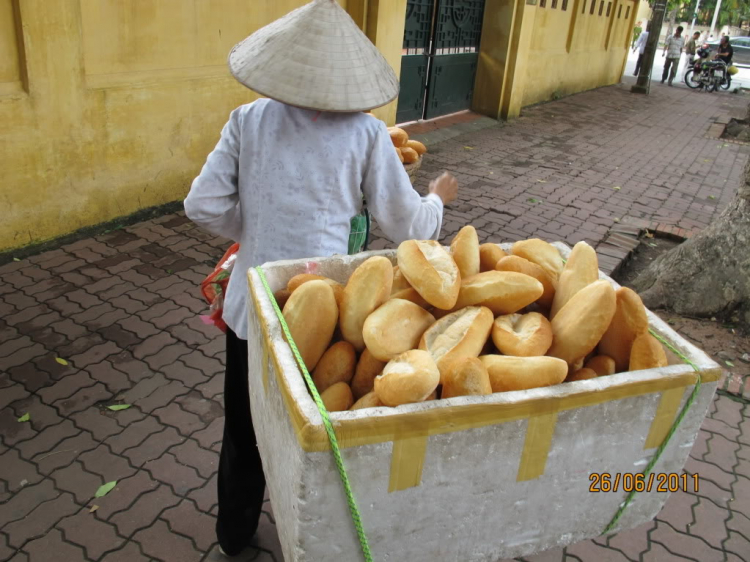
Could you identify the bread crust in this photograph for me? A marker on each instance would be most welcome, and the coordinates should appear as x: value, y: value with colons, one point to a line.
x: 541, y: 253
x: 522, y: 265
x: 431, y: 271
x: 581, y: 269
x: 336, y: 365
x: 581, y: 323
x: 312, y: 304
x: 466, y: 377
x: 522, y: 335
x: 465, y: 251
x: 503, y: 292
x: 647, y: 353
x: 395, y: 327
x: 628, y: 322
x: 522, y: 373
x: 368, y: 287
x: 407, y: 378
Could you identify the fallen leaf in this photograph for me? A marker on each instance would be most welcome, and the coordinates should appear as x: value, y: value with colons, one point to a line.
x: 24, y: 418
x: 118, y: 407
x: 532, y: 200
x: 652, y: 244
x: 541, y: 181
x: 616, y: 188
x: 616, y: 219
x: 93, y: 508
x: 169, y: 271
x: 16, y: 259
x: 61, y: 361
x: 712, y: 196
x: 729, y: 363
x: 469, y: 147
x: 105, y: 489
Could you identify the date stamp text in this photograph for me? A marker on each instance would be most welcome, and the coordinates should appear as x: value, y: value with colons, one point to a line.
x: 629, y: 482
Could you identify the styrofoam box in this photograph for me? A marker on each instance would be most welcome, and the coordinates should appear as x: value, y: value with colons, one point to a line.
x: 469, y: 478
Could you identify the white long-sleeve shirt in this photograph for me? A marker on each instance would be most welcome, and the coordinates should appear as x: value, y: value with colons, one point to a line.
x: 640, y: 44
x: 285, y: 182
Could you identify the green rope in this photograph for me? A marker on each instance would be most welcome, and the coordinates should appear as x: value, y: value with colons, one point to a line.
x: 326, y: 421
x: 672, y: 430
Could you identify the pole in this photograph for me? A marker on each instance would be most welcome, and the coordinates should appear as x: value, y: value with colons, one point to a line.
x: 695, y: 16
x: 642, y: 86
x: 713, y: 21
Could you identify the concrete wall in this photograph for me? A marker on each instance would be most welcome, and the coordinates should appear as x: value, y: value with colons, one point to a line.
x: 109, y: 106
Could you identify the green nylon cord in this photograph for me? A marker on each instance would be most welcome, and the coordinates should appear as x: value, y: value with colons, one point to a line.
x: 671, y: 432
x: 326, y: 421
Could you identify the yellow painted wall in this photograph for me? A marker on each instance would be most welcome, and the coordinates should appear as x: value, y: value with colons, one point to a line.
x: 597, y: 48
x: 111, y: 106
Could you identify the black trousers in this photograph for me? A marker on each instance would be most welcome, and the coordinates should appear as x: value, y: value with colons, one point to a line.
x: 242, y: 483
x: 638, y: 65
x: 673, y: 62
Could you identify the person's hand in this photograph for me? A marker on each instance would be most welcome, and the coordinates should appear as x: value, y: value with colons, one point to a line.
x: 445, y: 187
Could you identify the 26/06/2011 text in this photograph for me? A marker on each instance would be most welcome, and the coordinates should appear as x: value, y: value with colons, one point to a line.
x: 628, y: 482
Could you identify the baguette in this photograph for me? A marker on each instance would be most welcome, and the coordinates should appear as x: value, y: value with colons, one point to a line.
x: 400, y: 155
x: 368, y: 287
x: 465, y: 251
x: 522, y: 265
x: 281, y: 296
x: 298, y: 280
x: 395, y: 327
x: 407, y: 378
x: 489, y: 255
x: 522, y: 373
x: 581, y: 269
x: 369, y: 400
x: 647, y: 353
x: 580, y: 324
x: 503, y: 292
x: 602, y: 364
x: 338, y: 397
x: 364, y: 375
x: 336, y: 365
x: 582, y: 375
x: 313, y: 304
x: 541, y: 253
x: 522, y: 335
x: 460, y: 334
x: 411, y: 295
x: 629, y: 322
x: 431, y: 271
x: 399, y: 281
x: 399, y: 137
x: 410, y: 155
x: 466, y: 377
x: 417, y: 146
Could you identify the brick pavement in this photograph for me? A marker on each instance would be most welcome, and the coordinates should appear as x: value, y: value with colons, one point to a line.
x: 122, y: 309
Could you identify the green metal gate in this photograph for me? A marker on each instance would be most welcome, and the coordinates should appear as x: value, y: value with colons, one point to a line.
x: 439, y: 62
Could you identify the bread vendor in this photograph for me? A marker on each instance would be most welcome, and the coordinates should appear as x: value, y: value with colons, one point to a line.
x: 284, y: 180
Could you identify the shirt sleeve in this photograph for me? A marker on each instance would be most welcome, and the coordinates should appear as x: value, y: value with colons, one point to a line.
x: 213, y: 201
x: 399, y: 210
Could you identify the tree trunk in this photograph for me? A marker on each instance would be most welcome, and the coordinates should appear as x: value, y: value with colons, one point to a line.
x: 708, y: 274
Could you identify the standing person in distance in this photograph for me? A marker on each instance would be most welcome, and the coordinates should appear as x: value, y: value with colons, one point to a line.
x: 691, y: 47
x: 637, y: 30
x: 673, y: 51
x: 641, y: 46
x: 284, y: 180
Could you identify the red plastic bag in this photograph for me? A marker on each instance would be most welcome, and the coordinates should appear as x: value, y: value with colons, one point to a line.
x: 214, y: 287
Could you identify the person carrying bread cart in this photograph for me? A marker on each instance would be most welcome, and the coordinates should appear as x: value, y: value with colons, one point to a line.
x: 286, y: 177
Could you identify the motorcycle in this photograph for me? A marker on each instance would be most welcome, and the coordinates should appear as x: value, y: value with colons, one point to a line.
x: 708, y: 74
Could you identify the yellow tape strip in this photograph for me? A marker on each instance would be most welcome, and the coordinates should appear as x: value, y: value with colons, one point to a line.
x: 536, y: 447
x: 264, y: 368
x: 666, y: 412
x: 407, y: 460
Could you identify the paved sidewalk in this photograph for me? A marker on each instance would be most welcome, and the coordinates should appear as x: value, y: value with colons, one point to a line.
x: 122, y: 312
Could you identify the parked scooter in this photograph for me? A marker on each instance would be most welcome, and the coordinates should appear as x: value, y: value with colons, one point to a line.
x: 706, y: 73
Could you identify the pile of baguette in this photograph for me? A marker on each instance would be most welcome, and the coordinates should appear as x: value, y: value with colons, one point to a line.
x: 409, y: 151
x: 469, y: 321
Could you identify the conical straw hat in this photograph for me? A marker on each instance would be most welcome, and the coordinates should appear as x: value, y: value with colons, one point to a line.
x: 315, y: 57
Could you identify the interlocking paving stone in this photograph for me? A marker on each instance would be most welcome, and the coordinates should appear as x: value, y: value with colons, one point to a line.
x: 123, y: 309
